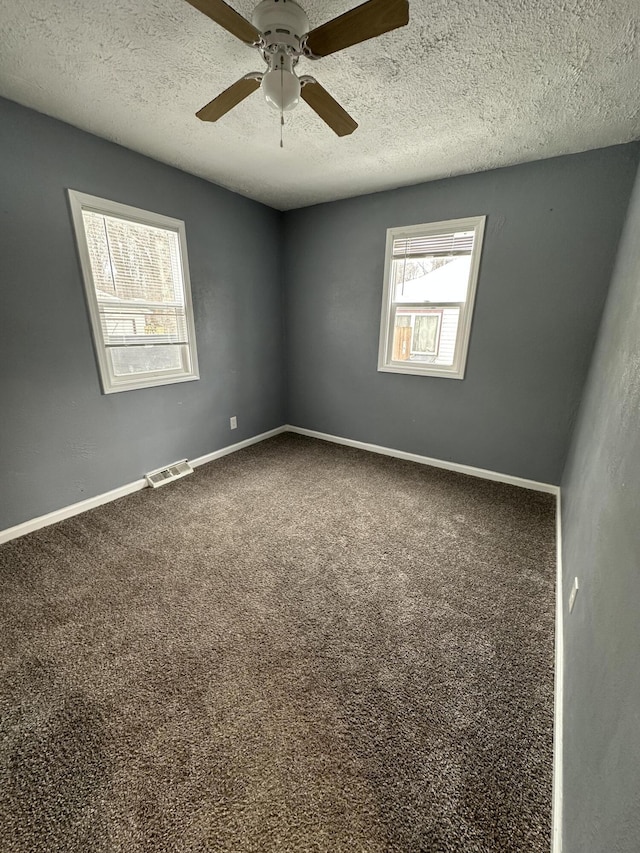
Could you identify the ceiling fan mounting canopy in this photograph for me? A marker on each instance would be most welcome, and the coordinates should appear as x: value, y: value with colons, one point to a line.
x: 279, y: 29
x: 280, y: 22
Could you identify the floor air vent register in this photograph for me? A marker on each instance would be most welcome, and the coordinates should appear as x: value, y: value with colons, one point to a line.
x: 167, y: 475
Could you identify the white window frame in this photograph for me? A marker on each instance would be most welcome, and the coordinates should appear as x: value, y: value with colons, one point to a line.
x: 385, y: 351
x: 111, y: 383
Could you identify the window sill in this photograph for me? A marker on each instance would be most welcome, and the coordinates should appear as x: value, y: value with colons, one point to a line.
x: 441, y: 372
x: 146, y: 382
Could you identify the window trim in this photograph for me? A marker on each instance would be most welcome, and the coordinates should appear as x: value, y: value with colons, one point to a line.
x: 111, y: 383
x: 385, y: 349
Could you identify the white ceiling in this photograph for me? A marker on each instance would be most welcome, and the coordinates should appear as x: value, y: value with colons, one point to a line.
x: 468, y: 85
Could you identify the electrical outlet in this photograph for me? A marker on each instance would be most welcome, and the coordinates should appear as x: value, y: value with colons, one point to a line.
x: 233, y: 422
x: 574, y: 592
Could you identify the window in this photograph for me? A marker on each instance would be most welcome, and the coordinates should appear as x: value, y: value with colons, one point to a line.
x: 136, y: 277
x: 431, y: 273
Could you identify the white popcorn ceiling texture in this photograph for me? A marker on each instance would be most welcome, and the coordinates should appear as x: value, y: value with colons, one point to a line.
x: 468, y: 85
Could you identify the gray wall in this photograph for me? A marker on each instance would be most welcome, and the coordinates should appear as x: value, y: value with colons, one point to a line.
x: 552, y: 231
x: 61, y: 439
x: 601, y: 546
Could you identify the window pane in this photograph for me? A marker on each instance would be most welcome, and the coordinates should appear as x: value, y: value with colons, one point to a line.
x: 448, y: 336
x: 402, y: 338
x: 438, y: 279
x: 425, y: 334
x: 131, y: 360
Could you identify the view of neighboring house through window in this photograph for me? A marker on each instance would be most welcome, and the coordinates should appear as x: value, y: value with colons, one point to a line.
x: 136, y: 278
x: 431, y: 273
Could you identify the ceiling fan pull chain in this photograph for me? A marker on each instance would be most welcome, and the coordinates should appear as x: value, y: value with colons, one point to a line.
x: 281, y: 103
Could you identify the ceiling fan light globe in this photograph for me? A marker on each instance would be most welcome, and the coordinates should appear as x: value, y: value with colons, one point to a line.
x: 281, y: 89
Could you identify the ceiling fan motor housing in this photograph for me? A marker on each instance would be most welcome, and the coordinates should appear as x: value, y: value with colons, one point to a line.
x: 280, y: 22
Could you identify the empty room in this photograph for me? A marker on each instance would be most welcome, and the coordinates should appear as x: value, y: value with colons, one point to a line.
x: 319, y: 426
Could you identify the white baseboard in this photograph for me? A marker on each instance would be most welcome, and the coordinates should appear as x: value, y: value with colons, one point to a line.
x: 136, y: 485
x: 483, y: 473
x: 233, y: 448
x: 89, y: 503
x: 67, y: 511
x: 556, y: 818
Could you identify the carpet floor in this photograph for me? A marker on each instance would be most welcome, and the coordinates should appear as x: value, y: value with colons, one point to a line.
x: 301, y: 647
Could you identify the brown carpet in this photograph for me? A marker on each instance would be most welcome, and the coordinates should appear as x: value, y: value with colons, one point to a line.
x: 301, y: 647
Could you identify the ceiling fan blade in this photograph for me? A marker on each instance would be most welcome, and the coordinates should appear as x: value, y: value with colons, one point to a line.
x: 223, y: 14
x: 364, y: 22
x: 328, y: 109
x: 228, y: 99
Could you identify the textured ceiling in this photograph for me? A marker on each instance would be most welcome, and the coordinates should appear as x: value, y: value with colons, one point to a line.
x: 468, y: 85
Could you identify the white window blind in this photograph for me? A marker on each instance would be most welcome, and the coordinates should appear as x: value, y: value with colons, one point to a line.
x: 423, y: 246
x: 138, y: 279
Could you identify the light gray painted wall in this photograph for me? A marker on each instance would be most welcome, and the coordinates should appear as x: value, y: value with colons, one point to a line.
x: 552, y: 231
x: 61, y: 439
x: 601, y: 545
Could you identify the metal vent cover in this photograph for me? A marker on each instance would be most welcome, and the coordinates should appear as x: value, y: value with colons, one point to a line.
x: 167, y: 475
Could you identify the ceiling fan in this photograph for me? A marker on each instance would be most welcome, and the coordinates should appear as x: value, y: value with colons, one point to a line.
x: 279, y: 29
